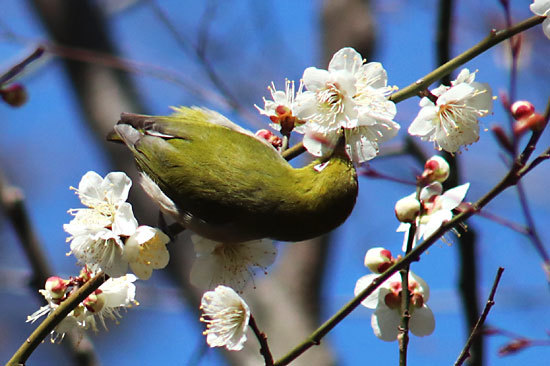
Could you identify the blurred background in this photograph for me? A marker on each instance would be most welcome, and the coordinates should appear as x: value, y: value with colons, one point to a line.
x: 105, y: 57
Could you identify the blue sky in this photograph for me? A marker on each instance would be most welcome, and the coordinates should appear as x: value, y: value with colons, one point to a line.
x: 45, y: 147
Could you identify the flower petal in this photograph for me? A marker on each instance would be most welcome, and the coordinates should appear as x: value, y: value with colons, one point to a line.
x: 385, y: 323
x: 540, y: 7
x: 362, y: 283
x: 346, y: 59
x: 422, y: 322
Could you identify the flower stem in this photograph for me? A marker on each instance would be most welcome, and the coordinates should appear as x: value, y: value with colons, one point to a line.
x: 49, y: 324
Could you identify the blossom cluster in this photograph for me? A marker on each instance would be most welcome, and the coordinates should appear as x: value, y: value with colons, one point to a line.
x: 105, y: 302
x: 427, y: 210
x: 106, y: 236
x: 350, y: 100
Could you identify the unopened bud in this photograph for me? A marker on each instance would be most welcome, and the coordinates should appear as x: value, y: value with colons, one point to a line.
x: 270, y: 137
x: 378, y: 259
x: 407, y: 209
x: 15, y: 95
x: 522, y: 109
x: 56, y: 286
x: 95, y: 301
x: 533, y: 122
x: 436, y: 169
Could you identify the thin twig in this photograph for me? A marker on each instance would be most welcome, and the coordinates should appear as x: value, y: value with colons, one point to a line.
x: 494, y: 38
x: 478, y: 327
x: 55, y: 317
x: 19, y: 67
x: 403, y: 336
x: 517, y: 171
x: 264, y: 346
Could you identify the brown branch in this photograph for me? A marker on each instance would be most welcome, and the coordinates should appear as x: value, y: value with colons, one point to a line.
x: 478, y: 327
x: 262, y: 339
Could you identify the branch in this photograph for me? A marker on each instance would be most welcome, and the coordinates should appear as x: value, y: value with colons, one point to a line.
x: 494, y: 38
x: 264, y: 346
x: 56, y: 316
x: 478, y: 327
x: 516, y: 172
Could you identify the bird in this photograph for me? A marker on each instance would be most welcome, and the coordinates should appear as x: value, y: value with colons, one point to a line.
x: 222, y: 182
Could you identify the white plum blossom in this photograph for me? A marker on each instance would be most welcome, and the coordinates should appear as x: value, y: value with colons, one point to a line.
x: 451, y: 121
x: 542, y: 8
x: 146, y: 250
x: 282, y: 109
x: 437, y: 209
x: 386, y: 300
x: 350, y: 96
x: 226, y: 316
x: 96, y: 231
x: 230, y: 264
x: 114, y: 294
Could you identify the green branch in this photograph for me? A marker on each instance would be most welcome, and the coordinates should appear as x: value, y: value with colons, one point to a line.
x: 48, y: 325
x: 517, y: 171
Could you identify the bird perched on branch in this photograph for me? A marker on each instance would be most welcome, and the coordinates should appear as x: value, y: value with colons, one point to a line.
x: 220, y: 181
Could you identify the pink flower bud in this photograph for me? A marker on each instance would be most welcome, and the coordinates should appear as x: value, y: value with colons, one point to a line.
x: 95, y: 301
x: 270, y: 137
x: 407, y: 209
x: 522, y: 109
x: 15, y: 95
x: 436, y: 169
x: 378, y: 260
x: 56, y: 286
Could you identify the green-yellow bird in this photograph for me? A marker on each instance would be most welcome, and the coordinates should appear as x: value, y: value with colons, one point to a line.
x: 220, y: 181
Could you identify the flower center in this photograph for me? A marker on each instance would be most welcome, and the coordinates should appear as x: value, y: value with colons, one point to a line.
x: 332, y: 98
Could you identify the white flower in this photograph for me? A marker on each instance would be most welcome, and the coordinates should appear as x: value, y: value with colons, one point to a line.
x: 226, y: 316
x: 437, y: 210
x: 96, y: 231
x: 114, y: 294
x: 452, y: 121
x: 386, y: 299
x: 146, y: 250
x: 230, y: 264
x: 542, y: 8
x: 350, y: 95
x: 282, y: 109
